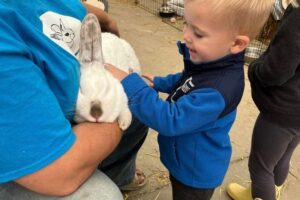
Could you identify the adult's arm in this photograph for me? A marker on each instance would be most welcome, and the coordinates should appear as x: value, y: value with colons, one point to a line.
x: 94, y: 143
x: 106, y: 22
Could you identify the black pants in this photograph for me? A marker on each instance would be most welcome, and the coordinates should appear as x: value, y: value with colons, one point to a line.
x: 271, y: 151
x: 184, y: 192
x: 120, y: 164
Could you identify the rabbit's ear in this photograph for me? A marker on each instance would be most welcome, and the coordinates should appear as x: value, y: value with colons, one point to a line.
x: 90, y: 40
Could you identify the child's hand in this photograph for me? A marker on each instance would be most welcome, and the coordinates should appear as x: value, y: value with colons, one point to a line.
x: 117, y: 73
x: 150, y: 78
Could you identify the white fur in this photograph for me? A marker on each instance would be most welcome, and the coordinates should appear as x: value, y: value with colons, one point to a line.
x: 118, y: 52
x: 97, y: 85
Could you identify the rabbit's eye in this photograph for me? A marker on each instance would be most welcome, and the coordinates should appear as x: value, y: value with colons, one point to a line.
x: 67, y: 34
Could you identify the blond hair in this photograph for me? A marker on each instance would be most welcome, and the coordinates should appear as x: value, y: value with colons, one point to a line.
x: 294, y: 3
x: 246, y: 16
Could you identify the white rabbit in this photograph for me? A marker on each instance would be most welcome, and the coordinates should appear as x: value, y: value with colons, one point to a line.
x: 101, y: 97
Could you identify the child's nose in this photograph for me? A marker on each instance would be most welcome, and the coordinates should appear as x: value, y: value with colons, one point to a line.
x: 187, y: 36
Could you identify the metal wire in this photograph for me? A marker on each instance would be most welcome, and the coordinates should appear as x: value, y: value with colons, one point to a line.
x: 153, y: 7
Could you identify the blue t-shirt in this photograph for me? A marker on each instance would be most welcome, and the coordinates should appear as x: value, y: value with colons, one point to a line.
x: 39, y: 81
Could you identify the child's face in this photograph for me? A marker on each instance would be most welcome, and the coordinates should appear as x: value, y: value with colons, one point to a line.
x: 206, y: 37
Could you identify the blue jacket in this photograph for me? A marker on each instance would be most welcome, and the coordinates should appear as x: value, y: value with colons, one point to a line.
x: 194, y: 122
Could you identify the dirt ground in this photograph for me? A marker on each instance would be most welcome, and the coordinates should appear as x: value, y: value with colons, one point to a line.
x: 155, y: 45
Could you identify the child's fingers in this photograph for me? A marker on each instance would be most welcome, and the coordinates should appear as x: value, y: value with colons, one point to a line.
x: 151, y: 85
x: 117, y: 73
x: 130, y: 70
x: 109, y: 67
x: 149, y: 77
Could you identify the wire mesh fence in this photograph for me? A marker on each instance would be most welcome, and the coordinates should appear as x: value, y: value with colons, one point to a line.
x: 259, y: 45
x: 170, y: 11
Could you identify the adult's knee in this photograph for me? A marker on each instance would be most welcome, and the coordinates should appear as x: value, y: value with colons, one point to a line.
x: 98, y: 186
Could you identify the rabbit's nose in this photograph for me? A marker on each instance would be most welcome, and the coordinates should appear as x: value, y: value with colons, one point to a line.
x: 96, y: 110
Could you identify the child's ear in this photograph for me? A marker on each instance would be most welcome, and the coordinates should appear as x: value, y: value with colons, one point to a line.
x: 240, y: 44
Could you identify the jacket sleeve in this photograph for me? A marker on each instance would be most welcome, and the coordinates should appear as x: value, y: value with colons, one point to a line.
x: 166, y: 84
x: 281, y: 60
x: 190, y: 113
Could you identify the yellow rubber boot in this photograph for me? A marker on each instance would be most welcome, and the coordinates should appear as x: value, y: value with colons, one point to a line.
x: 278, y: 190
x: 238, y: 192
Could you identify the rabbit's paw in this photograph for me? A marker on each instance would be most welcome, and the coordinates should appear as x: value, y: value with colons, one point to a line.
x: 124, y: 119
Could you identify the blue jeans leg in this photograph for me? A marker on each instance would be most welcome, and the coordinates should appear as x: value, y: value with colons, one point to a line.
x: 120, y: 165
